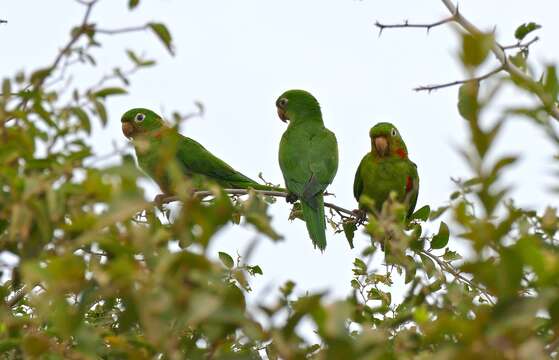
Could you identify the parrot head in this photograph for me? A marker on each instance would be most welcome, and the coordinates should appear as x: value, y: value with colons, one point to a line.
x: 140, y: 121
x: 386, y: 141
x: 297, y: 104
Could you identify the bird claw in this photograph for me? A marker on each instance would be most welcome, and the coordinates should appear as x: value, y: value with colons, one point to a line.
x: 360, y: 215
x: 291, y: 198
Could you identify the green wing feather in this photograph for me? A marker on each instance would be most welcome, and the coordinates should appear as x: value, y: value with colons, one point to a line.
x: 415, y: 188
x: 195, y: 159
x: 358, y: 183
x: 309, y: 162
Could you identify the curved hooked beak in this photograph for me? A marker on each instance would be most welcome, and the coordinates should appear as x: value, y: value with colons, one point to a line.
x: 381, y: 145
x: 127, y: 129
x: 282, y: 115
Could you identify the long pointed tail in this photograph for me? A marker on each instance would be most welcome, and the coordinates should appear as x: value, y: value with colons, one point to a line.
x: 316, y: 223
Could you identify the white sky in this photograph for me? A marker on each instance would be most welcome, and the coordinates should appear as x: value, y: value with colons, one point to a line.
x: 236, y: 57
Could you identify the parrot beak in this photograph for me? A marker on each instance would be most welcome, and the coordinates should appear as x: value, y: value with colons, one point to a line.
x: 381, y: 145
x: 127, y: 129
x: 282, y: 115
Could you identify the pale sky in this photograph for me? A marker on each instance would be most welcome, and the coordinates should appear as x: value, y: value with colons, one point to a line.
x: 237, y: 57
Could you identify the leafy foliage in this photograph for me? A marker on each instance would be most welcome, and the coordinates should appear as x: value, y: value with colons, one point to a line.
x: 103, y: 273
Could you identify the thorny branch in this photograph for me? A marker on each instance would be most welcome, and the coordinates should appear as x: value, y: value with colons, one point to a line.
x: 406, y: 24
x: 430, y: 88
x: 521, y: 45
x: 498, y: 50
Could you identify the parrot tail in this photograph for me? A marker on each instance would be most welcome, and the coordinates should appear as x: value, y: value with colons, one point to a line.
x: 316, y: 223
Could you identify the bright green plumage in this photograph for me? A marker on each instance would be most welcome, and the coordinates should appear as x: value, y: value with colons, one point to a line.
x: 387, y: 168
x: 157, y: 144
x: 308, y: 157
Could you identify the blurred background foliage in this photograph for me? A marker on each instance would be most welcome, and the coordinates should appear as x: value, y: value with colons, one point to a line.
x: 102, y: 273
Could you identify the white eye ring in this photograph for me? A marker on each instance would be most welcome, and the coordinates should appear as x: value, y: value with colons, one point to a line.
x: 393, y: 132
x: 139, y: 117
x: 282, y: 102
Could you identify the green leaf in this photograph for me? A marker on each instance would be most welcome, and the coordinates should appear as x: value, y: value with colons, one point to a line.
x: 422, y: 214
x: 440, y: 240
x: 161, y: 31
x: 101, y: 111
x: 475, y: 48
x: 109, y: 92
x: 287, y: 288
x: 428, y: 265
x: 133, y: 3
x: 349, y: 231
x: 451, y: 255
x: 468, y: 105
x: 360, y: 267
x: 40, y: 75
x: 525, y: 29
x: 253, y: 270
x: 83, y: 118
x: 226, y: 260
x: 255, y: 210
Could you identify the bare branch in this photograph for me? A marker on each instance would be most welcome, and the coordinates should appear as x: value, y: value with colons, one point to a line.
x: 520, y: 45
x: 121, y: 31
x: 406, y: 24
x: 202, y: 194
x: 430, y: 88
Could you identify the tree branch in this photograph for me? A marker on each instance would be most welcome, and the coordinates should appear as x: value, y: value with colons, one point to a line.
x: 498, y: 50
x: 121, y: 31
x: 430, y: 88
x: 547, y: 101
x: 204, y: 193
x: 406, y: 24
x: 520, y: 45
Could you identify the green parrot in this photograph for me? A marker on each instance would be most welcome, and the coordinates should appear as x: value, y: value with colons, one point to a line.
x: 157, y: 143
x: 308, y: 158
x: 387, y: 168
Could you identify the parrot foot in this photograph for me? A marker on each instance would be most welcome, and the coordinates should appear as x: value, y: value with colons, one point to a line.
x: 360, y: 215
x: 291, y: 198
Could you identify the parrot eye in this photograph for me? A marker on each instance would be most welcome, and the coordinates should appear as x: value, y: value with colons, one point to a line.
x: 393, y: 132
x: 139, y: 117
x: 282, y: 102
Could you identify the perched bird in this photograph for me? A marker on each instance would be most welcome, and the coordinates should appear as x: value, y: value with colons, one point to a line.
x: 308, y: 157
x: 387, y: 168
x: 157, y: 143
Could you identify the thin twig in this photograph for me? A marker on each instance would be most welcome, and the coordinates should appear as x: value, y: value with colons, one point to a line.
x: 430, y: 88
x: 121, y: 31
x: 454, y: 272
x: 406, y: 24
x: 204, y: 193
x: 521, y: 45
